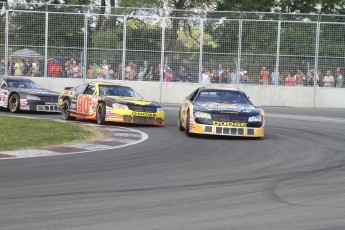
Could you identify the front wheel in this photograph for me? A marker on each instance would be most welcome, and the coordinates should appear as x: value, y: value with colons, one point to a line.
x: 180, y: 127
x: 65, y: 110
x: 14, y: 103
x: 187, y: 125
x: 101, y: 114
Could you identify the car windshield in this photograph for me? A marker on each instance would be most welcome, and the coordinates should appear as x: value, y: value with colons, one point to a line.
x: 222, y: 96
x: 117, y: 90
x: 26, y: 84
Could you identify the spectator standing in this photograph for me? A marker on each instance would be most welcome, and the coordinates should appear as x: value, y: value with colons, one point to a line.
x: 50, y: 66
x: 299, y: 77
x: 130, y: 72
x: 110, y: 72
x: 214, y: 76
x: 27, y: 67
x: 233, y: 76
x: 328, y: 80
x: 119, y: 72
x: 75, y: 69
x: 148, y: 71
x: 338, y: 79
x: 289, y: 80
x: 18, y: 68
x: 168, y: 75
x: 205, y: 77
x: 264, y: 75
x: 141, y: 74
x: 225, y: 77
x: 244, y: 79
x: 220, y: 70
x: 274, y: 77
x: 182, y: 74
x: 90, y: 72
x: 2, y: 67
x: 35, y: 68
x: 56, y: 70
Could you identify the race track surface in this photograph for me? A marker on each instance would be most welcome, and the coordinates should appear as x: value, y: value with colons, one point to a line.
x: 294, y: 178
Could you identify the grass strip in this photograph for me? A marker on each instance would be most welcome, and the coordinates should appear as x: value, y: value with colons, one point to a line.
x: 23, y: 133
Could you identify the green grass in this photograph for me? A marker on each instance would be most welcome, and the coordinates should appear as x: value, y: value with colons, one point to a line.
x: 23, y: 133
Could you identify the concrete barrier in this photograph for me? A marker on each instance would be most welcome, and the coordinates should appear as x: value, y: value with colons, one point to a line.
x: 174, y: 92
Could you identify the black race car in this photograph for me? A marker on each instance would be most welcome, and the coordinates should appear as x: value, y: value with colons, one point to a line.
x: 18, y: 93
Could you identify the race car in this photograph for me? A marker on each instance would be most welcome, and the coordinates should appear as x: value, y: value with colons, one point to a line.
x: 220, y: 111
x: 103, y: 102
x: 17, y: 93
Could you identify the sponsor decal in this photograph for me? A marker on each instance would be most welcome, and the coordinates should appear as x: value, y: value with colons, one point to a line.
x: 223, y: 123
x: 143, y: 114
x: 109, y: 109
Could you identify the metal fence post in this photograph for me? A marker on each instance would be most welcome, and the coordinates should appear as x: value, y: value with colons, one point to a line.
x: 278, y: 51
x: 124, y: 38
x: 317, y: 46
x: 239, y: 49
x: 46, y: 46
x: 85, y: 45
x: 161, y: 71
x: 201, y: 47
x: 6, y: 43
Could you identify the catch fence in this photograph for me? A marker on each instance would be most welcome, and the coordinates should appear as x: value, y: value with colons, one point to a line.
x: 169, y: 45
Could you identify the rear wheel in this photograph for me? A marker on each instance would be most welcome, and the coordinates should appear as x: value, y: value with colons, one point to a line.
x: 101, y: 113
x: 65, y: 110
x: 180, y: 127
x: 14, y: 103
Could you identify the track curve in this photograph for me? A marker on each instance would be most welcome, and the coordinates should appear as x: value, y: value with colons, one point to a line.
x: 293, y: 178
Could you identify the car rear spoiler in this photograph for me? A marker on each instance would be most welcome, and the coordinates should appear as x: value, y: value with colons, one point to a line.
x: 68, y: 88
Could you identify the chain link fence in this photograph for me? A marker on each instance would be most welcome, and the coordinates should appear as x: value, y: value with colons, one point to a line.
x: 172, y: 46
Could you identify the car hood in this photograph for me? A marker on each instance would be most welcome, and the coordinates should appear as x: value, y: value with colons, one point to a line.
x: 38, y: 92
x: 220, y: 108
x: 133, y: 101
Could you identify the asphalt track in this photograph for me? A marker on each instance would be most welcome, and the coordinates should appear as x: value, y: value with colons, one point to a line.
x: 294, y: 178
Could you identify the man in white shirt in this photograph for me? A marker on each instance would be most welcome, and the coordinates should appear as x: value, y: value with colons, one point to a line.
x: 328, y: 80
x: 338, y: 79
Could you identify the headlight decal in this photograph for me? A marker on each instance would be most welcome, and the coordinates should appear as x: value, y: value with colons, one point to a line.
x: 119, y: 106
x: 202, y: 115
x: 257, y: 118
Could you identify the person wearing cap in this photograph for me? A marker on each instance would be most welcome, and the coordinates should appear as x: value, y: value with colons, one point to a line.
x: 168, y: 75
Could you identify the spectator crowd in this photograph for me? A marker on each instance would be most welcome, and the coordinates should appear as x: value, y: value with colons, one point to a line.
x: 145, y: 71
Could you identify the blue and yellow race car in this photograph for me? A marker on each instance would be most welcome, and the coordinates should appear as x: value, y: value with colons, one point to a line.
x: 220, y: 111
x: 103, y: 102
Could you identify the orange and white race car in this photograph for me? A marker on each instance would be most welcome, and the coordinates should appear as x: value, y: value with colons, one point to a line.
x: 103, y: 102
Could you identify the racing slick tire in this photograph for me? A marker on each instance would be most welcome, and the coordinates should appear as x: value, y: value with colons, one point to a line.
x: 65, y: 110
x: 14, y: 103
x: 187, y: 125
x: 100, y: 116
x: 180, y: 127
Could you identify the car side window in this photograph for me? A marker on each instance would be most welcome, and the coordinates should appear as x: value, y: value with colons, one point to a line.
x: 3, y: 85
x: 90, y: 90
x: 80, y: 89
x: 193, y: 95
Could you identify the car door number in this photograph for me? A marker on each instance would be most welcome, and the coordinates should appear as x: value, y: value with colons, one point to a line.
x: 83, y: 104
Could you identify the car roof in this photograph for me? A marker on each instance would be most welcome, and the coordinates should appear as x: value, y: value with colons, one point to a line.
x: 107, y: 83
x: 15, y: 78
x: 221, y: 88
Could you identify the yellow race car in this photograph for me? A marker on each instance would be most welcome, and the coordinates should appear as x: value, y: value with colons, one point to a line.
x: 103, y: 102
x: 220, y: 111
